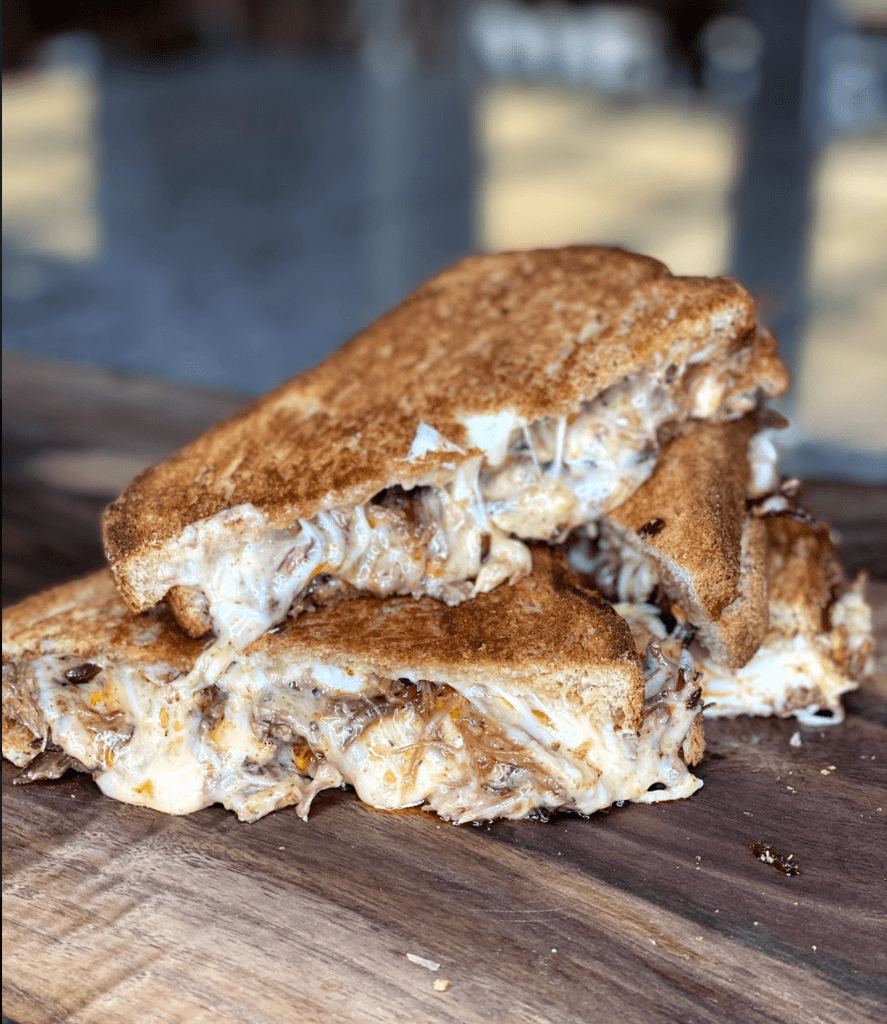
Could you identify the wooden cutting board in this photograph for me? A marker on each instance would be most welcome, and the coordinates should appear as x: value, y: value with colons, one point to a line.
x: 642, y: 914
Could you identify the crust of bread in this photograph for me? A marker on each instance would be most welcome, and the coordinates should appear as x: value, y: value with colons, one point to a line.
x: 546, y: 627
x: 532, y: 333
x: 803, y: 571
x: 735, y: 637
x: 710, y: 551
x: 190, y: 608
x: 693, y: 749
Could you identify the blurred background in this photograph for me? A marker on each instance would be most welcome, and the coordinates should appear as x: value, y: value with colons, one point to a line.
x: 219, y: 192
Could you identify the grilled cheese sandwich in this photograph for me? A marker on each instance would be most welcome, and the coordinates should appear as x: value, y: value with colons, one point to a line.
x: 529, y: 699
x: 510, y: 399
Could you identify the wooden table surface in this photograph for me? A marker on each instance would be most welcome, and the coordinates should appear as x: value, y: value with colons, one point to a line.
x: 644, y: 914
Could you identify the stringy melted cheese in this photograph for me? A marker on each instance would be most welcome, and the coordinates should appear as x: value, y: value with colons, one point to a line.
x: 260, y: 739
x: 456, y: 537
x: 793, y: 672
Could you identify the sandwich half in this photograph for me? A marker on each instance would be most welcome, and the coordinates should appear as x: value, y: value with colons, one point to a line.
x: 712, y: 554
x: 528, y: 699
x: 511, y: 398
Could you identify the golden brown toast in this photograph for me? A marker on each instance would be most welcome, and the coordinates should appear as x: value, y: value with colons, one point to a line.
x: 691, y: 520
x: 494, y: 345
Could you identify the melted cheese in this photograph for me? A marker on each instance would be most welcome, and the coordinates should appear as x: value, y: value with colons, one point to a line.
x: 787, y: 676
x: 253, y: 574
x: 265, y: 736
x: 459, y: 536
x: 793, y: 672
x: 763, y: 458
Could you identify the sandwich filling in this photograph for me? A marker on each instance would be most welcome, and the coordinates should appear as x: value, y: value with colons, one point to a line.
x: 793, y: 673
x: 809, y: 656
x: 454, y: 535
x: 271, y: 733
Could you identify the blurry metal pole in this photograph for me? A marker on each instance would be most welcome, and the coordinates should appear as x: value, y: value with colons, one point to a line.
x: 418, y: 139
x: 772, y: 196
x: 773, y: 204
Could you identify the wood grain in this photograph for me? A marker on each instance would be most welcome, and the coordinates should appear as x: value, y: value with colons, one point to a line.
x: 644, y: 914
x: 653, y: 913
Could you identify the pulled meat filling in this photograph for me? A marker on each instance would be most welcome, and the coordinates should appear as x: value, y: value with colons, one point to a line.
x: 260, y: 739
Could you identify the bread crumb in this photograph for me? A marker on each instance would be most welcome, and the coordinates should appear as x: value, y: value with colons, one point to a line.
x: 441, y: 985
x: 422, y: 962
x: 795, y: 741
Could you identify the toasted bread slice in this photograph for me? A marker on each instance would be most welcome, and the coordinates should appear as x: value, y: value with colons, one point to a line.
x: 528, y: 699
x: 691, y: 522
x: 510, y: 398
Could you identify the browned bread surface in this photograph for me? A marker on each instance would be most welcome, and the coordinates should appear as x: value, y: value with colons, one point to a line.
x: 691, y: 518
x: 546, y: 626
x: 535, y: 333
x: 544, y: 618
x: 694, y: 745
x: 87, y: 619
x: 803, y: 572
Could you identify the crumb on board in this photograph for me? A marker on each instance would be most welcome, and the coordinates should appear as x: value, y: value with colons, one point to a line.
x: 795, y: 741
x: 430, y: 965
x: 784, y: 864
x: 441, y: 984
